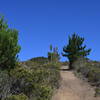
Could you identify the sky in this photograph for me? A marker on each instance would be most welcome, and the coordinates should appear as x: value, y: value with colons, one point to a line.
x: 44, y: 22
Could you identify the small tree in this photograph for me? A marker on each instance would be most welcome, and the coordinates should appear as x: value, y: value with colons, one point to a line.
x: 75, y: 49
x: 9, y: 47
x: 53, y: 55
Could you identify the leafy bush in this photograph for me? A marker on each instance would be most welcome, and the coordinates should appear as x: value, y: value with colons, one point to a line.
x: 42, y: 92
x: 17, y: 97
x: 23, y: 81
x: 97, y: 92
x: 5, y: 84
x: 37, y: 82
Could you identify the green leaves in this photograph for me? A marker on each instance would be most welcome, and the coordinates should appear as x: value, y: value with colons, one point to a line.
x: 3, y: 24
x: 36, y: 83
x: 17, y: 97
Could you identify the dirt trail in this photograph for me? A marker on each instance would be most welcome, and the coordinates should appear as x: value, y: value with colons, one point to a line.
x: 73, y: 88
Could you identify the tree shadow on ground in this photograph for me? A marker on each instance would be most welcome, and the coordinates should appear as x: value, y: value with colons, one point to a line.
x: 65, y: 69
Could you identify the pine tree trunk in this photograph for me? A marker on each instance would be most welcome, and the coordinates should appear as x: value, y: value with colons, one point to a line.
x: 70, y: 65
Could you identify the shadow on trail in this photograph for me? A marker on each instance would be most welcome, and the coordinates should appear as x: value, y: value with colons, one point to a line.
x: 65, y: 69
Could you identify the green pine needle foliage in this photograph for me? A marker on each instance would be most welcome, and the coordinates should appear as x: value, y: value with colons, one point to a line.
x: 9, y: 47
x: 75, y: 49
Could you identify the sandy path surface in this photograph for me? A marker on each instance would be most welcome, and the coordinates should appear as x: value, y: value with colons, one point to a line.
x: 73, y: 88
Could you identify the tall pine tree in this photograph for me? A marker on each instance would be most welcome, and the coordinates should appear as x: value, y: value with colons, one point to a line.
x: 9, y: 47
x: 75, y: 49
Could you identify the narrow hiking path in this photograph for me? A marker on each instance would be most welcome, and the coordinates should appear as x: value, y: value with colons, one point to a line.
x: 73, y: 88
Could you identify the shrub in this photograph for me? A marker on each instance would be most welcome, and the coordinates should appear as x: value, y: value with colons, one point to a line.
x: 97, y: 92
x: 42, y: 92
x: 17, y: 97
x: 23, y: 81
x: 36, y: 83
x: 5, y: 84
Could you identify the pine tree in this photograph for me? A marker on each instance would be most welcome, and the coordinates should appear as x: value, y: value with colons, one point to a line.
x: 9, y: 47
x: 75, y: 49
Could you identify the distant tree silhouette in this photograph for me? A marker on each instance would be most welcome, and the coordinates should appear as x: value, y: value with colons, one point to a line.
x: 75, y: 49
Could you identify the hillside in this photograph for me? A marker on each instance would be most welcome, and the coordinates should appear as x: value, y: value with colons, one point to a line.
x: 35, y: 79
x: 40, y: 79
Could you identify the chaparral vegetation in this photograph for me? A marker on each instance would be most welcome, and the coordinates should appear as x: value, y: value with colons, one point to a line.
x: 37, y: 78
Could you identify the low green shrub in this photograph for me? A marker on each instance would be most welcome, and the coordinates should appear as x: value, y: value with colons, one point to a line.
x: 35, y: 83
x: 97, y: 92
x: 5, y: 84
x: 23, y: 81
x: 42, y: 92
x: 17, y: 97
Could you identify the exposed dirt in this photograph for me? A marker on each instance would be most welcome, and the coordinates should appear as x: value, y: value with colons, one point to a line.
x: 72, y: 88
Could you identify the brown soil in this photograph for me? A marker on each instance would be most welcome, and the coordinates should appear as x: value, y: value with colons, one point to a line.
x: 72, y: 88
